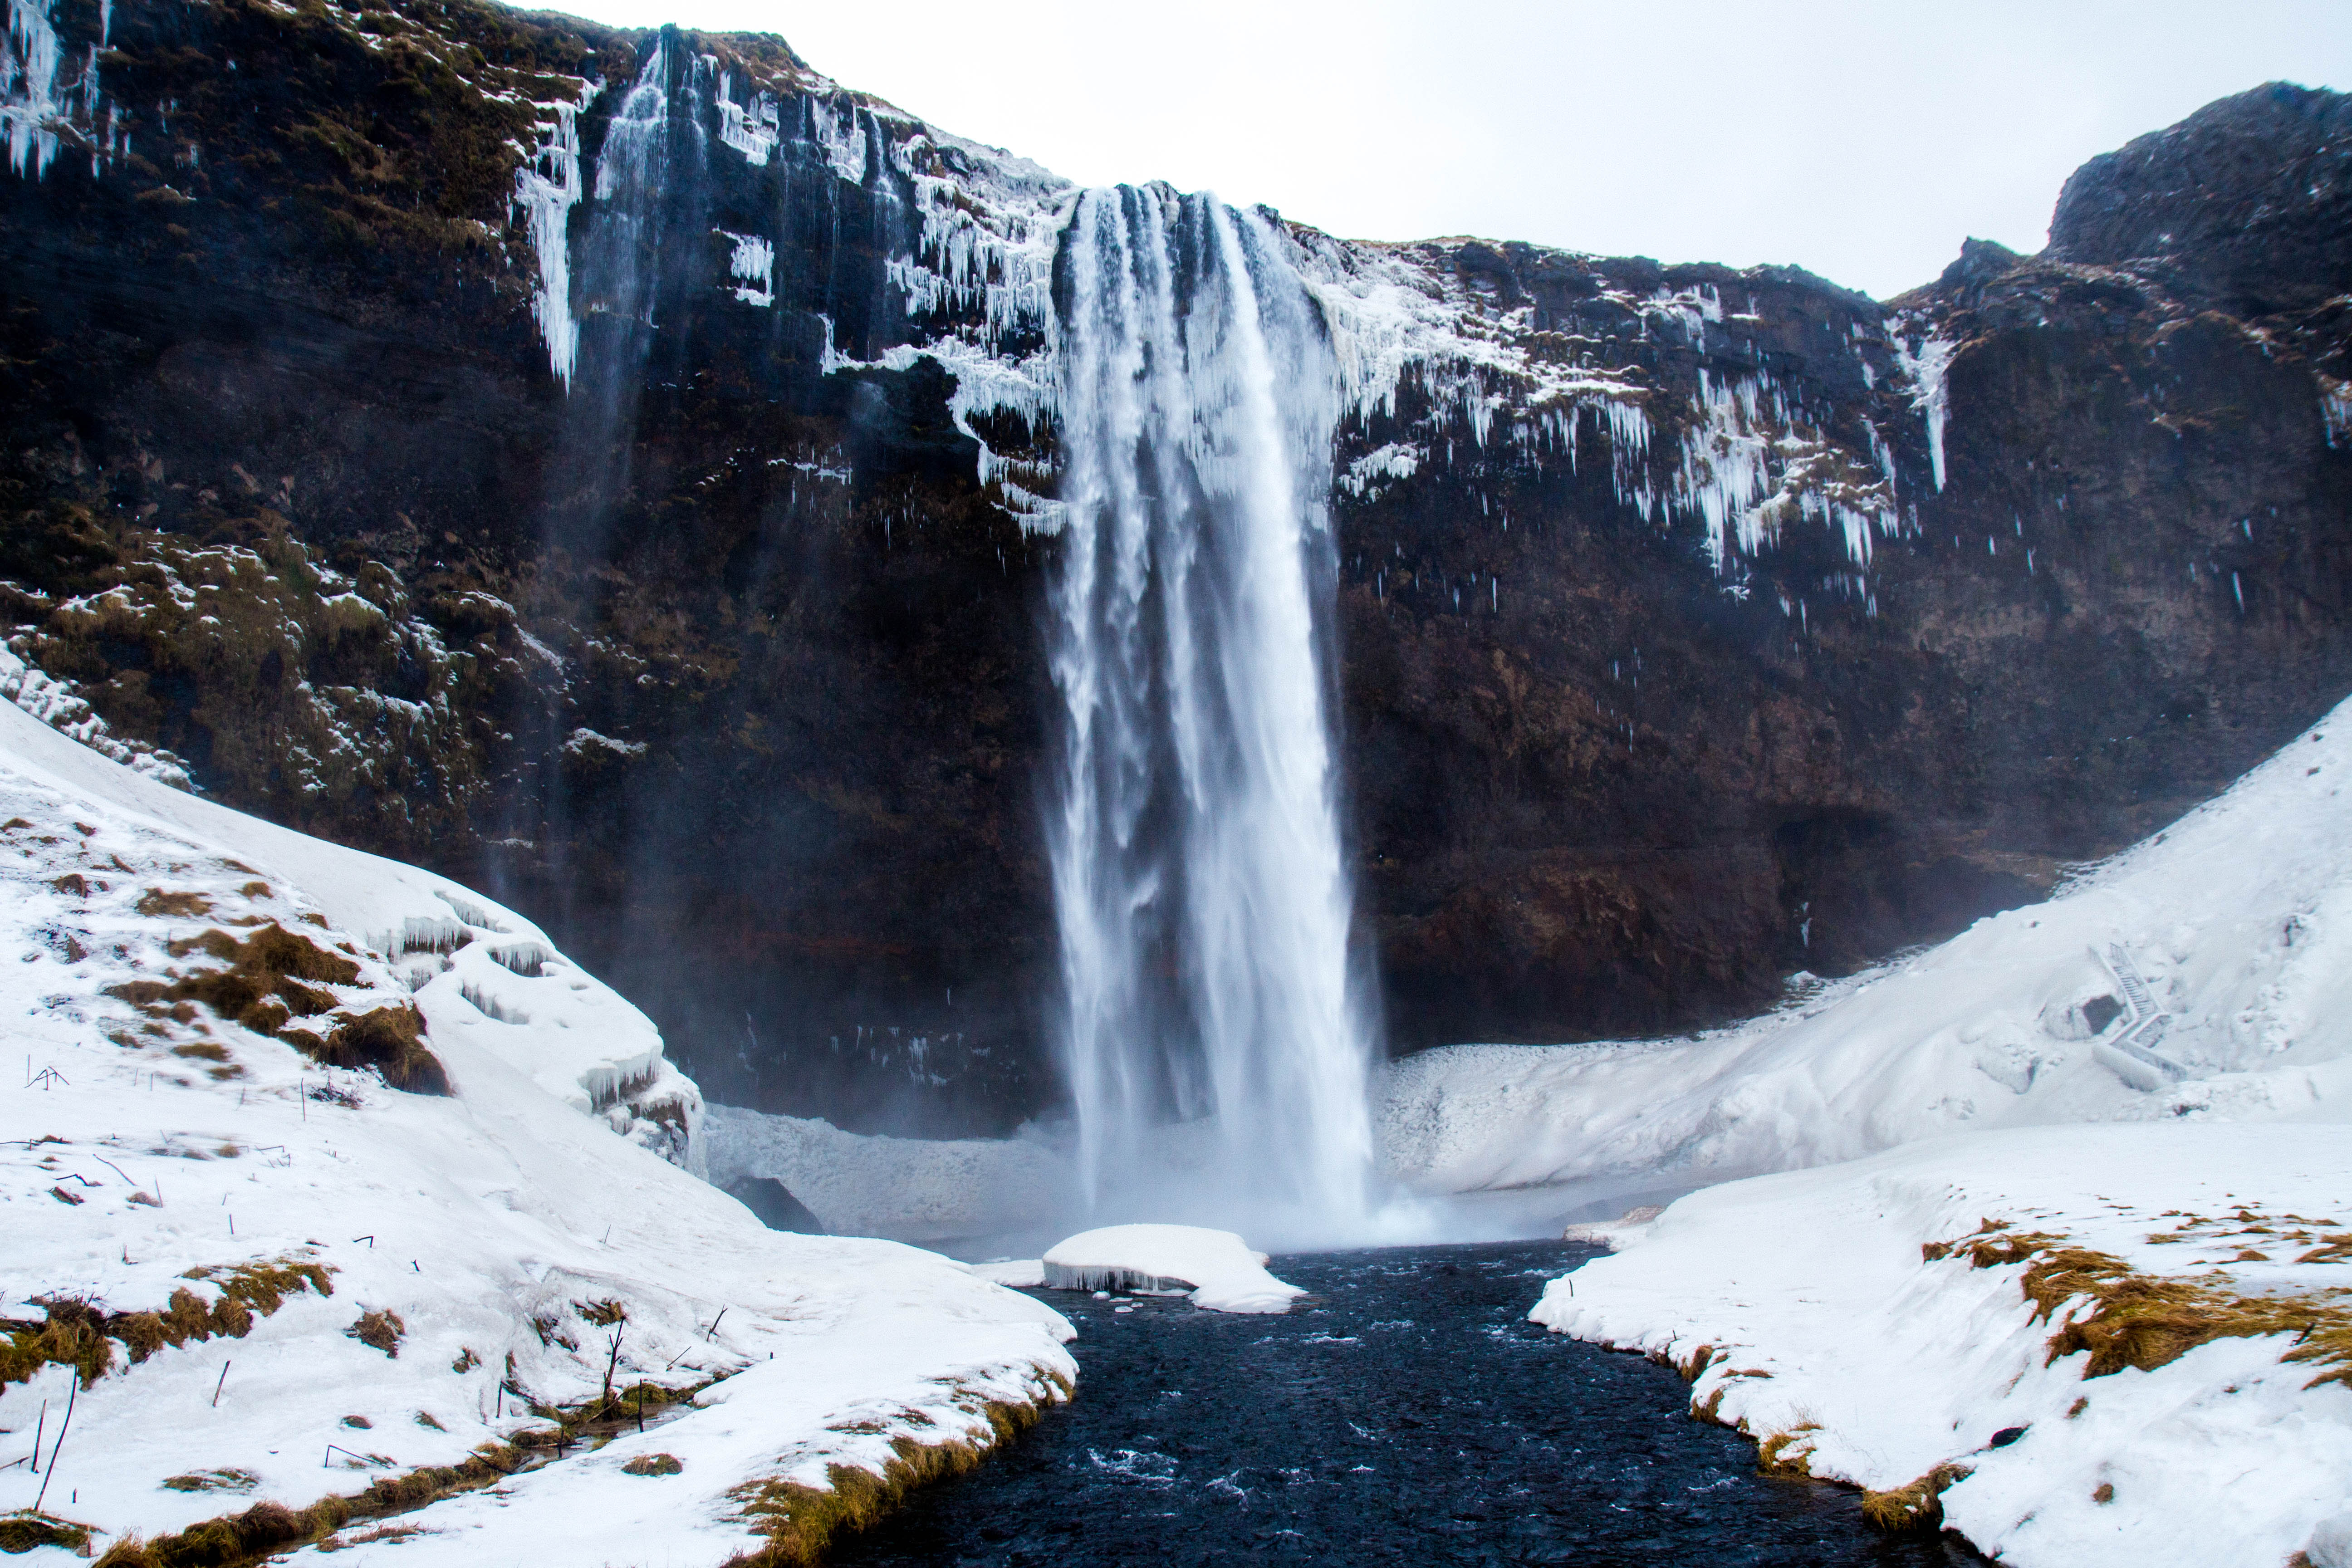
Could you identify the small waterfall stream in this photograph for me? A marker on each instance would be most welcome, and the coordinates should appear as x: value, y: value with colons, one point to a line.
x: 1215, y: 1044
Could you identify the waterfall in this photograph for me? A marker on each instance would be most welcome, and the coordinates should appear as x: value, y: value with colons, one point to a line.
x: 1202, y: 894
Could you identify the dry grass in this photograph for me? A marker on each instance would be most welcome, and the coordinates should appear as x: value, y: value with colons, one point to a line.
x: 801, y: 1520
x: 238, y: 1541
x: 81, y: 1335
x: 24, y: 1531
x: 222, y: 1480
x: 2146, y: 1320
x: 1774, y: 1454
x: 1918, y: 1506
x: 653, y: 1464
x: 155, y: 902
x: 379, y: 1331
x: 275, y: 976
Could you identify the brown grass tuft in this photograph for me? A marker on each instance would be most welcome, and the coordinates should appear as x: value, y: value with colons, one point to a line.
x: 24, y: 1531
x: 800, y: 1520
x: 1772, y: 1456
x: 2146, y: 1320
x: 239, y: 1541
x: 275, y: 976
x: 1918, y: 1506
x: 653, y: 1464
x: 379, y: 1331
x: 181, y: 906
x: 80, y: 1334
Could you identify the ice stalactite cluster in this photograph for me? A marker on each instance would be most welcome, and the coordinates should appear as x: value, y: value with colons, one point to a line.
x: 30, y: 104
x: 1925, y: 359
x: 1752, y: 466
x: 1740, y: 458
x: 751, y: 128
x: 546, y: 190
x: 1745, y: 460
x: 753, y: 266
x: 1203, y: 899
x: 41, y: 105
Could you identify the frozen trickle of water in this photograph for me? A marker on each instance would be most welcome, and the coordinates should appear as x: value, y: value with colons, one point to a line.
x: 631, y: 172
x: 30, y: 103
x: 546, y: 190
x: 1203, y: 899
x: 1925, y: 366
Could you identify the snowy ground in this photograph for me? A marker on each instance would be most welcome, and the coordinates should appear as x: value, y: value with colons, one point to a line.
x: 524, y: 1234
x: 2235, y: 923
x: 1817, y: 1323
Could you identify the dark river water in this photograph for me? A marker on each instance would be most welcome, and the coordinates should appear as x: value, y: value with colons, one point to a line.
x: 1407, y: 1412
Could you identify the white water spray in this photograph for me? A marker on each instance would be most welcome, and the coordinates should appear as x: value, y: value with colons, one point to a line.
x: 1202, y: 898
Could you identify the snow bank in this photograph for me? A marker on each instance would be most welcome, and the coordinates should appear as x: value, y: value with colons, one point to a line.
x: 2203, y: 975
x: 354, y: 1282
x: 1216, y: 1267
x: 911, y: 1188
x: 1812, y: 1319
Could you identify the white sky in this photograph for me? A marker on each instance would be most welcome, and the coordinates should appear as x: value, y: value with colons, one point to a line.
x: 1863, y: 140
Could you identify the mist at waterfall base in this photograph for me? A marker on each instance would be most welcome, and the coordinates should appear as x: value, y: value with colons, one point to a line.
x: 1213, y: 1029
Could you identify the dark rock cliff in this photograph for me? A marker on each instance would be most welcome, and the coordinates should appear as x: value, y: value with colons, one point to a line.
x: 1699, y: 626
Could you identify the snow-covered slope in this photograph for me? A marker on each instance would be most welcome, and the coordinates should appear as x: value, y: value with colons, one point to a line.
x: 2004, y: 1316
x: 2203, y: 975
x: 288, y: 1280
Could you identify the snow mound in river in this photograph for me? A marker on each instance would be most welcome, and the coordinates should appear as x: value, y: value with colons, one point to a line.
x: 1969, y: 1302
x: 2203, y: 976
x: 284, y: 1281
x: 1217, y: 1267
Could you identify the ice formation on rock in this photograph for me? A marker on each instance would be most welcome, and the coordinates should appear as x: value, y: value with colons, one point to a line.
x: 1194, y: 823
x: 546, y: 190
x: 1217, y: 1268
x: 753, y: 263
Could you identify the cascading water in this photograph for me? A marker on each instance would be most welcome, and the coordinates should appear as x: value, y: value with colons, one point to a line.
x: 1202, y: 897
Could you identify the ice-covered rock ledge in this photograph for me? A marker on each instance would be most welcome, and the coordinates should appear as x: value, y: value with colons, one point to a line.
x: 2100, y: 1345
x: 270, y: 1285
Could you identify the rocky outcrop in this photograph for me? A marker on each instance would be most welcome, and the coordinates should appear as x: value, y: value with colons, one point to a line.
x: 617, y: 469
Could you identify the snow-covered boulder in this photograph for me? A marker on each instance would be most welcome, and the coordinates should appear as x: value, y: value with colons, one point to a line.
x: 2203, y: 976
x: 2099, y: 1344
x: 1217, y: 1268
x: 258, y: 1271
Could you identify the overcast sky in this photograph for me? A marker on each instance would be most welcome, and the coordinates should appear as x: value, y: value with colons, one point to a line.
x: 1862, y: 141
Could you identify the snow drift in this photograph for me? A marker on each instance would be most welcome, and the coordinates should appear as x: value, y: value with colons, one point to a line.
x: 2100, y: 1345
x: 265, y: 1275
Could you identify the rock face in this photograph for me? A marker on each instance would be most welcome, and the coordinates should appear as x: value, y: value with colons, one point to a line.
x: 617, y: 470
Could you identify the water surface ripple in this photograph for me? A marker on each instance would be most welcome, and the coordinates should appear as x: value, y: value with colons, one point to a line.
x: 1408, y: 1412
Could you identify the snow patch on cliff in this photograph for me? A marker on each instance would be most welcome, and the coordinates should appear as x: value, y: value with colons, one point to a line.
x: 57, y: 704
